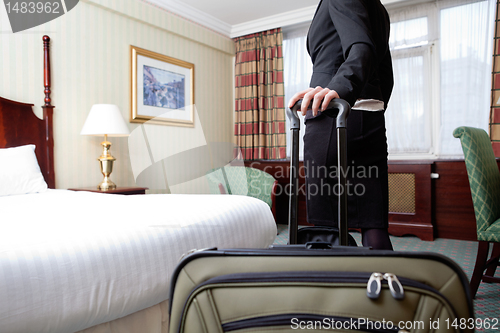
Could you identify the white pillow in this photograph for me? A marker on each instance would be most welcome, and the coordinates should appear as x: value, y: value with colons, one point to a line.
x: 20, y: 172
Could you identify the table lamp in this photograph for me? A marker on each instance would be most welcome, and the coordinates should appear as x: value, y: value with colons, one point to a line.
x: 107, y: 120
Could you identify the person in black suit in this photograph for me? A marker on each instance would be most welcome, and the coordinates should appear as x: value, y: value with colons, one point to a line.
x: 348, y: 45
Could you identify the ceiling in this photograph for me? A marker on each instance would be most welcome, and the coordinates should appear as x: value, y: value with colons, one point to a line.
x: 235, y: 18
x: 236, y: 12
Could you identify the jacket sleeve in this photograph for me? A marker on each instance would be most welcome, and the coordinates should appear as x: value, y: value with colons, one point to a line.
x: 352, y: 22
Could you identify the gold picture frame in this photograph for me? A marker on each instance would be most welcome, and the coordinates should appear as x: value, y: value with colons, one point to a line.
x: 162, y: 89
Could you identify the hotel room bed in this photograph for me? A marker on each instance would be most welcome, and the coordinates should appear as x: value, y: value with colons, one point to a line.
x: 80, y: 261
x: 98, y: 257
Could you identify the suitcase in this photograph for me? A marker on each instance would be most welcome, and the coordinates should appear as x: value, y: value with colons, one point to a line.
x: 318, y: 286
x: 346, y: 289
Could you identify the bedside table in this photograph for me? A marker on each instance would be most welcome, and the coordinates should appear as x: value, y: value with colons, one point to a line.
x: 118, y: 190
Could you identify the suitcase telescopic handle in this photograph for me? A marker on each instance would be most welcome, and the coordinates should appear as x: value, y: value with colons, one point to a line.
x: 339, y: 109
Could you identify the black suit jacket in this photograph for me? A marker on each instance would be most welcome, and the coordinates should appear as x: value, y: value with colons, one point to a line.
x: 348, y: 45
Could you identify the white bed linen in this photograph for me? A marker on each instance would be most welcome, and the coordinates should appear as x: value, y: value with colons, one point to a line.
x: 72, y: 260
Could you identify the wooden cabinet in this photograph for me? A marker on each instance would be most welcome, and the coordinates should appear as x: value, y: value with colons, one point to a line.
x: 410, y: 199
x: 439, y: 208
x: 410, y: 195
x: 452, y: 208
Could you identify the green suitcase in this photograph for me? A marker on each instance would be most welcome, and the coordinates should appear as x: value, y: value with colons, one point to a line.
x: 343, y: 289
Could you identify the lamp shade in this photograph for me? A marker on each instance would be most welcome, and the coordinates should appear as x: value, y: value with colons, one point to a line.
x: 105, y: 119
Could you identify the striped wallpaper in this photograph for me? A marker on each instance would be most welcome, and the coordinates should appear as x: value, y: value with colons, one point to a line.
x: 90, y: 58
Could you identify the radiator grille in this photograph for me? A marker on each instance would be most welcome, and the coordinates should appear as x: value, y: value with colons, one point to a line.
x: 402, y: 193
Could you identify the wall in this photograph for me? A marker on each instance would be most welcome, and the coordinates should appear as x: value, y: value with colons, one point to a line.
x: 90, y: 58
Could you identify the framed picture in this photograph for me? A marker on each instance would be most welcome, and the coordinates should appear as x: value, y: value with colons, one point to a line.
x: 162, y: 89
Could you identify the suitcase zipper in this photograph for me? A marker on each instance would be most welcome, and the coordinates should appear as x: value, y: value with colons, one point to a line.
x: 395, y: 286
x: 301, y: 321
x: 373, y: 289
x: 373, y: 282
x: 374, y: 286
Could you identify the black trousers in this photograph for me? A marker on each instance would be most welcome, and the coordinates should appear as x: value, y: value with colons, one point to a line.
x: 367, y: 176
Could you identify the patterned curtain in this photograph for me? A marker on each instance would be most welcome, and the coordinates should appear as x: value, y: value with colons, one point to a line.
x: 495, y: 90
x: 260, y: 107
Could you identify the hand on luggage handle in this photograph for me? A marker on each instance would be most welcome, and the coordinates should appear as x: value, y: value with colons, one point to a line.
x: 338, y: 108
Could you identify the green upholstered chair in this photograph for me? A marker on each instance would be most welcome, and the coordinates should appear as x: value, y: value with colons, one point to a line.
x: 240, y: 180
x: 484, y: 181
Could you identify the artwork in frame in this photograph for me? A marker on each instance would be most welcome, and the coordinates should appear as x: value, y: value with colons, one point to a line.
x: 162, y: 89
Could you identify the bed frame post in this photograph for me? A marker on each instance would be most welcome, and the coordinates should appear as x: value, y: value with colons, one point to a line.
x: 46, y: 68
x: 48, y: 111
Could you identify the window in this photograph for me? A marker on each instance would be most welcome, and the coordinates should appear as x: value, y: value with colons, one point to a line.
x: 466, y: 58
x: 409, y: 126
x: 297, y: 71
x: 442, y: 53
x: 442, y: 76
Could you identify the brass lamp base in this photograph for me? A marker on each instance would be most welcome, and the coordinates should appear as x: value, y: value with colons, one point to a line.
x: 106, y: 183
x: 106, y: 163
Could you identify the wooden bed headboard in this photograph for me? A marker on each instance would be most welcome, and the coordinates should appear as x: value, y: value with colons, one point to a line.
x: 20, y: 126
